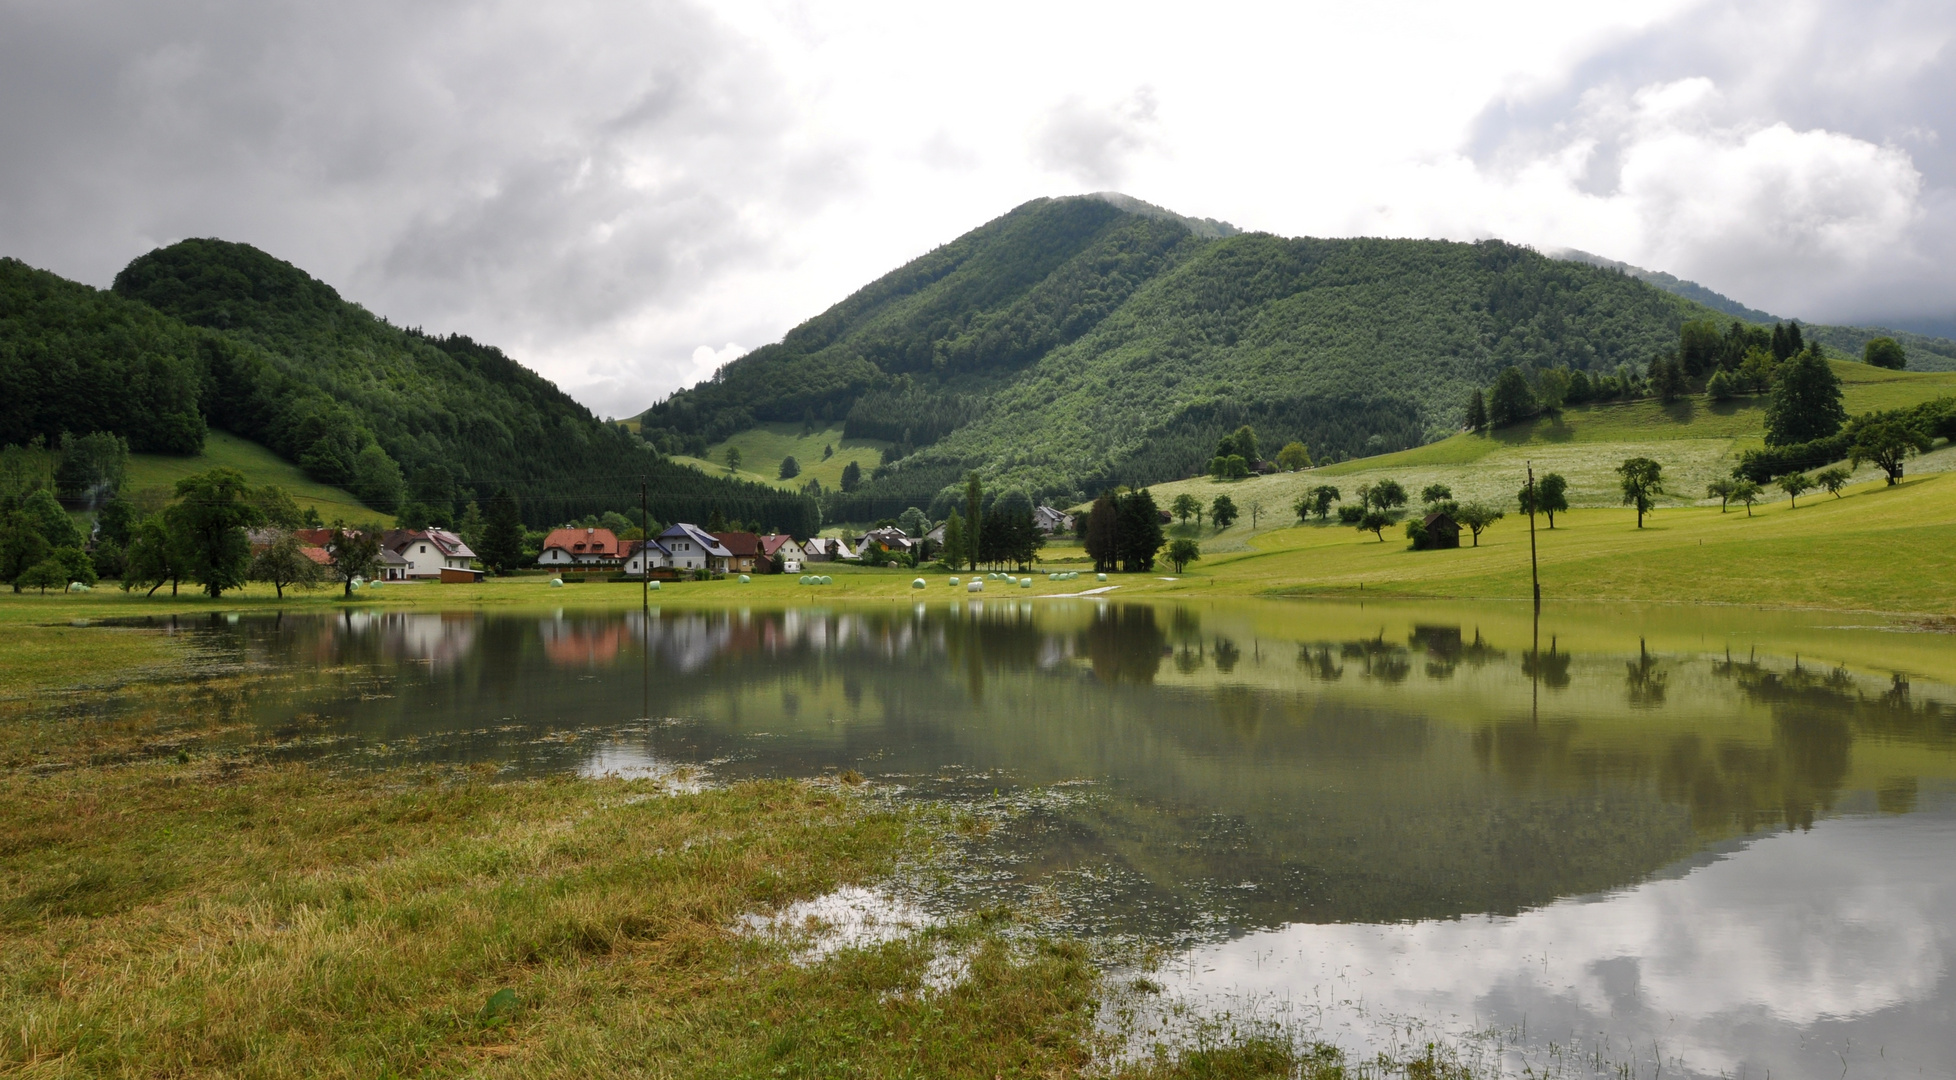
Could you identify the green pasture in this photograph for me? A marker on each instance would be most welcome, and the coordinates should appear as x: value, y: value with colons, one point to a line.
x: 762, y: 448
x: 260, y: 467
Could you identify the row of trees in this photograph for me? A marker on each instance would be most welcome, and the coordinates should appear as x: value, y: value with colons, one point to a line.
x: 1124, y: 532
x: 1805, y: 395
x: 1002, y: 535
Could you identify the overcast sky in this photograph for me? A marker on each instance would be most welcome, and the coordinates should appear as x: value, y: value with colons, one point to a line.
x: 625, y: 196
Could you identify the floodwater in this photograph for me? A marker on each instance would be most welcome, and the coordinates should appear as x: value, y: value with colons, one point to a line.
x: 1611, y: 841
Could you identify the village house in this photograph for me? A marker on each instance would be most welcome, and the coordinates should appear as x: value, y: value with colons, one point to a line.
x: 316, y: 551
x: 783, y: 547
x: 1049, y: 520
x: 827, y: 549
x: 643, y: 556
x: 581, y: 547
x: 427, y: 552
x: 743, y: 551
x: 888, y: 538
x: 690, y: 547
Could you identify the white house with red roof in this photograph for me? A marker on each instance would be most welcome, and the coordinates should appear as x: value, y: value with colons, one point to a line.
x: 784, y: 547
x: 577, y: 546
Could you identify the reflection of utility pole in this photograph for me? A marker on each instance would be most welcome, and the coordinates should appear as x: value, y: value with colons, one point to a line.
x: 1534, y: 568
x: 1535, y: 669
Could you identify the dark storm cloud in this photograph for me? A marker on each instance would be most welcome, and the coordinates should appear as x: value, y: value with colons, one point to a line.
x: 1846, y: 213
x: 508, y: 170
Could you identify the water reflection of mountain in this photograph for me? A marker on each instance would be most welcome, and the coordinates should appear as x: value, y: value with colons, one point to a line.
x: 1242, y: 775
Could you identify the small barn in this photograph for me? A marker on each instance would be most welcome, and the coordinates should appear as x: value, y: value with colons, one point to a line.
x: 1442, y: 531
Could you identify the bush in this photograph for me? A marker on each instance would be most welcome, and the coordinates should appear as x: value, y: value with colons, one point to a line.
x: 1763, y: 465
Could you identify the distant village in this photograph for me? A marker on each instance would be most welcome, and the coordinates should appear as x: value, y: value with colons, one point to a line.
x: 682, y: 550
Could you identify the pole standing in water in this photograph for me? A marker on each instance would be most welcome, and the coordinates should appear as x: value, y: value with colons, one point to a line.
x: 1534, y: 569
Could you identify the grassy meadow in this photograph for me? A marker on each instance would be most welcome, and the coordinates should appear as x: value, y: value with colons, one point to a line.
x: 260, y: 467
x: 762, y: 448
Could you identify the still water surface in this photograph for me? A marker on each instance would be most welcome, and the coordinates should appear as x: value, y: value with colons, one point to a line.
x: 1721, y: 843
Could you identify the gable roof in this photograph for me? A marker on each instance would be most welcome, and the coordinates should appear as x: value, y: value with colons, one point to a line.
x: 444, y: 541
x: 706, y: 540
x: 774, y: 542
x: 581, y: 541
x: 739, y: 543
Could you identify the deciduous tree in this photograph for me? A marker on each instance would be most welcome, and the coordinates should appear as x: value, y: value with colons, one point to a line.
x: 354, y: 554
x: 1477, y: 516
x: 1884, y: 352
x: 207, y: 524
x: 284, y: 562
x: 1183, y: 552
x: 1747, y: 492
x: 1643, y: 481
x: 1222, y: 512
x: 1184, y: 507
x: 1293, y: 456
x: 1833, y: 480
x: 1793, y: 484
x: 1887, y: 442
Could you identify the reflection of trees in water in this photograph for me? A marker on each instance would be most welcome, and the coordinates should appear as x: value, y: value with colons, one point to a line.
x: 1645, y: 684
x: 1124, y: 644
x: 1227, y: 655
x: 1319, y: 662
x: 1379, y: 660
x: 1551, y: 667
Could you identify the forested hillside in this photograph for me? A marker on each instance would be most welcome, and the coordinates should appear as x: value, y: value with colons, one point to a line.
x: 209, y: 332
x: 1073, y: 344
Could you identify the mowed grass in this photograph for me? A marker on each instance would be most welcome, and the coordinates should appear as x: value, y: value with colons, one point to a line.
x: 762, y: 449
x: 1696, y: 441
x: 260, y: 467
x: 1877, y: 548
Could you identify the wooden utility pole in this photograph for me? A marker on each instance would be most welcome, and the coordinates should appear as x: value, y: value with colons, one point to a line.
x: 1534, y: 567
x: 644, y: 554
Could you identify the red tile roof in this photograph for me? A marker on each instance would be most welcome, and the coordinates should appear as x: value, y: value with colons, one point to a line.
x: 739, y: 543
x: 578, y: 541
x: 772, y: 542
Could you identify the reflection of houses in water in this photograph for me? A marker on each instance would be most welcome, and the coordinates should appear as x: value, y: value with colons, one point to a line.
x: 436, y: 639
x: 583, y: 644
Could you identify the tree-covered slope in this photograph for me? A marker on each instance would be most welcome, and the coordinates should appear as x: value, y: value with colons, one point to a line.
x: 919, y: 348
x: 1078, y: 342
x: 74, y: 358
x: 206, y: 331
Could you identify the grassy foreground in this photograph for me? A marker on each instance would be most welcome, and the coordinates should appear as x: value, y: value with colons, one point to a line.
x: 172, y: 905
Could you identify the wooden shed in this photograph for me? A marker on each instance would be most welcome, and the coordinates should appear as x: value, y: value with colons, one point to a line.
x: 1442, y: 531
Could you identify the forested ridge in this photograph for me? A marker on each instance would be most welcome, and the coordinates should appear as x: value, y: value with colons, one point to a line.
x: 209, y: 332
x: 1072, y: 345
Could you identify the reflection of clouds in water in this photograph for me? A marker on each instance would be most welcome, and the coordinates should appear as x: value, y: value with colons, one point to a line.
x: 1798, y: 930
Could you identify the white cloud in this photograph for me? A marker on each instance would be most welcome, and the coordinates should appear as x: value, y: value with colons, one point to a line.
x: 600, y: 188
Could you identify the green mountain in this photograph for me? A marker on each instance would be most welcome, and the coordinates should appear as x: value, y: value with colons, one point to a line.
x: 208, y: 333
x: 1079, y: 342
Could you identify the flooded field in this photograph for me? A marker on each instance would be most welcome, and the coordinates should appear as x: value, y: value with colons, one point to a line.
x: 1643, y: 840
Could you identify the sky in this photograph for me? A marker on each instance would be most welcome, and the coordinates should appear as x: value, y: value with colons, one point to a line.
x: 625, y: 196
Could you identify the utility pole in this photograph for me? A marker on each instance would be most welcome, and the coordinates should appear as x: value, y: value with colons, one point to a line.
x: 1534, y: 567
x: 645, y: 553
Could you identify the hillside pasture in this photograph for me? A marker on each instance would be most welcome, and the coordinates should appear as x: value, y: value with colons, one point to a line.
x: 260, y: 467
x: 763, y: 447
